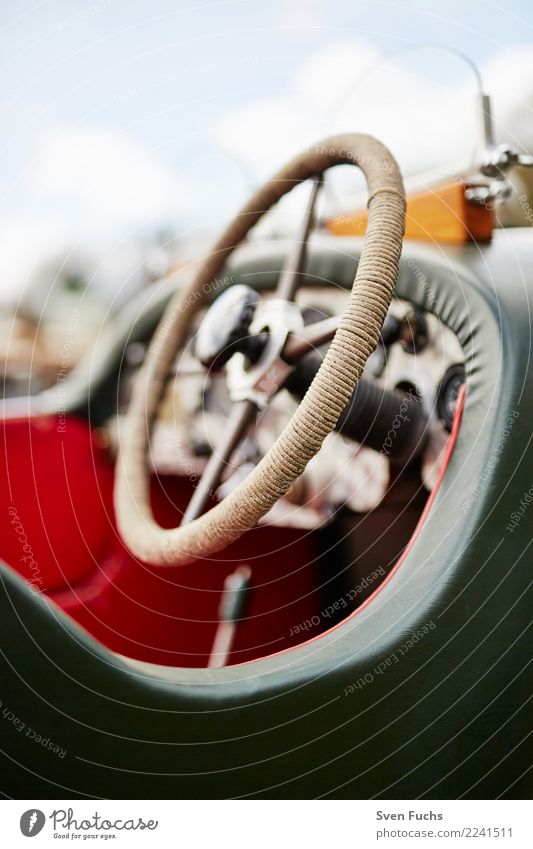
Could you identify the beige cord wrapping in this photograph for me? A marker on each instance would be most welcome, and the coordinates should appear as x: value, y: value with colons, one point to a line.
x: 325, y: 399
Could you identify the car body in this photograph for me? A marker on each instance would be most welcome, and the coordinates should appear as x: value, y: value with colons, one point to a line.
x: 421, y: 691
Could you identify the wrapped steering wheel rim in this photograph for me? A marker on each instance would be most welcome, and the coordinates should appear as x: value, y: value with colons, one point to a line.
x: 329, y: 393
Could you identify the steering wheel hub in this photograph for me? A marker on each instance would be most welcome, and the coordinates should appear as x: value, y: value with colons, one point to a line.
x: 261, y: 380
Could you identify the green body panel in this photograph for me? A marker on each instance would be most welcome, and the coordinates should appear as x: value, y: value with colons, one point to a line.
x: 449, y: 719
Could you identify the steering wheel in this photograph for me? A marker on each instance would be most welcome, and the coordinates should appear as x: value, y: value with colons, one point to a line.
x: 354, y: 336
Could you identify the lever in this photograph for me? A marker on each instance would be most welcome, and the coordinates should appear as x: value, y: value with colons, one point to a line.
x: 232, y: 609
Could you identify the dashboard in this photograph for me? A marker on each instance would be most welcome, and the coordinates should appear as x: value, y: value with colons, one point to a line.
x: 417, y: 355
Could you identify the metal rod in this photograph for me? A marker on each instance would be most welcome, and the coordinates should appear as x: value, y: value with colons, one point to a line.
x: 241, y: 415
x: 486, y: 124
x: 309, y: 338
x: 232, y: 609
x: 295, y: 262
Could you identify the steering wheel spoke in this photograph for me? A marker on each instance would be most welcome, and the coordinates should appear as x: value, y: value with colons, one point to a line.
x: 292, y: 270
x: 309, y: 338
x: 241, y: 416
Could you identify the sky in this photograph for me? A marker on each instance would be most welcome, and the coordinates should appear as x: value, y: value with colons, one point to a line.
x: 122, y: 118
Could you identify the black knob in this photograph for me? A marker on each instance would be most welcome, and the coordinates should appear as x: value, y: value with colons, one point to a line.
x: 225, y: 329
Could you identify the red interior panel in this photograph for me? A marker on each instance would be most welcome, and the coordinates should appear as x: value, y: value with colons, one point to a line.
x: 58, y: 532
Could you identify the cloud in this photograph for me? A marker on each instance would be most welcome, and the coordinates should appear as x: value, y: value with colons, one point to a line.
x: 105, y: 176
x: 350, y: 86
x: 24, y: 243
x: 95, y: 185
x: 88, y: 190
x: 509, y: 81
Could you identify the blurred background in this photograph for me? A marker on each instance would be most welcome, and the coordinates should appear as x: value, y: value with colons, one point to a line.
x: 131, y: 131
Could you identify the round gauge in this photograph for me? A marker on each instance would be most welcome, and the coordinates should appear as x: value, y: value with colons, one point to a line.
x: 447, y: 395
